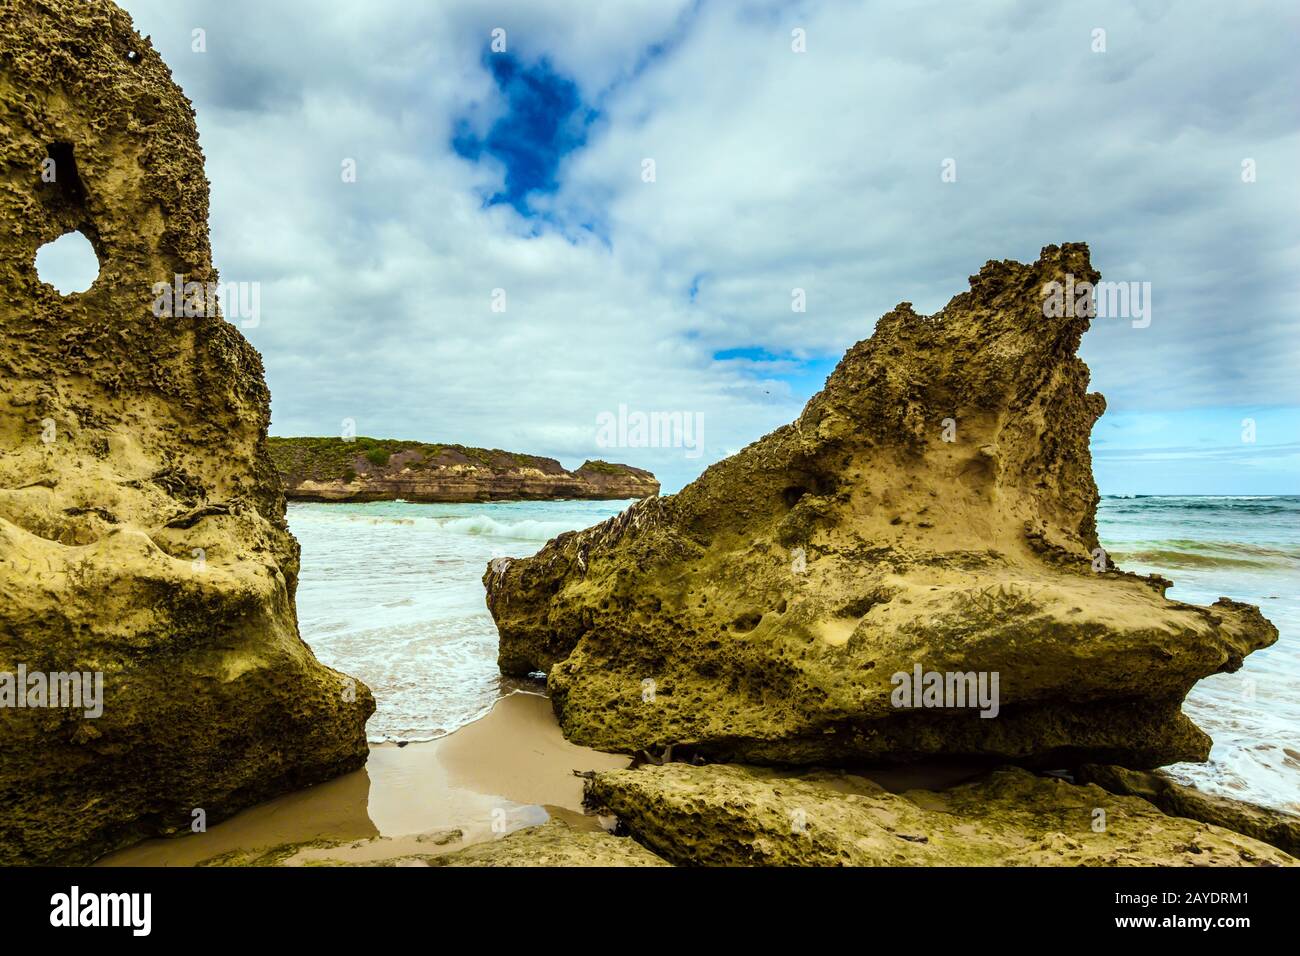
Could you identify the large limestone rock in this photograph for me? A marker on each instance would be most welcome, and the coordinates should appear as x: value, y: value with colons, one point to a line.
x: 741, y: 816
x: 142, y: 531
x: 932, y: 508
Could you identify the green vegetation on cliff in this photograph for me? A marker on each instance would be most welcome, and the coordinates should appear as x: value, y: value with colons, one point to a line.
x: 603, y: 467
x: 328, y: 459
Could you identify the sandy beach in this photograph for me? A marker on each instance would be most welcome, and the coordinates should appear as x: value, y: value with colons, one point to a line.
x: 510, y: 769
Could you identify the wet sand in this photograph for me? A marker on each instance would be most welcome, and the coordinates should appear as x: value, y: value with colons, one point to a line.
x: 510, y: 769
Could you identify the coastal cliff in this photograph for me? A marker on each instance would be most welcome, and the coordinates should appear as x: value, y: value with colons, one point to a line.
x: 143, y: 544
x: 367, y: 469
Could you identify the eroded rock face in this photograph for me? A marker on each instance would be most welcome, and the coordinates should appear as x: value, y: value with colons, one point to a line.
x: 142, y: 531
x: 743, y: 816
x: 934, y: 508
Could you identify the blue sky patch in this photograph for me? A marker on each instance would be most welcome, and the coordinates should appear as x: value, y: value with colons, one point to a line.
x: 545, y: 120
x: 805, y: 376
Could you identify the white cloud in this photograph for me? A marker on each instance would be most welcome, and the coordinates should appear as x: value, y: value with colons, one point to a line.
x: 775, y: 170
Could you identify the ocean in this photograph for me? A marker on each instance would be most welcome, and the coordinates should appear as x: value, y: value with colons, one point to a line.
x: 1246, y: 548
x: 391, y: 592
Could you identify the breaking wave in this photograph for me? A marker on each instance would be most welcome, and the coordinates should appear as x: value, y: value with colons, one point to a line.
x: 526, y: 529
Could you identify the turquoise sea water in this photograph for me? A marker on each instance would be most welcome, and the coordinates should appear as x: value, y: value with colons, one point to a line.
x: 391, y: 592
x: 1246, y: 548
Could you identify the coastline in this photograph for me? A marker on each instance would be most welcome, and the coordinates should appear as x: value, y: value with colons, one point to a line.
x: 367, y: 469
x: 341, y: 495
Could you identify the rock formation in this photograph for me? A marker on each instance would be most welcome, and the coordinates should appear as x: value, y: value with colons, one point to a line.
x: 554, y: 843
x: 142, y: 531
x: 931, y: 514
x: 1277, y: 827
x: 726, y: 815
x: 366, y: 469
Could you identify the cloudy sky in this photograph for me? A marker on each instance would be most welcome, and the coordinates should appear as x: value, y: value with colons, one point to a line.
x: 524, y: 170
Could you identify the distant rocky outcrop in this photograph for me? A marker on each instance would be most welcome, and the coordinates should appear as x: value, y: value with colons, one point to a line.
x: 725, y: 815
x: 143, y: 544
x: 368, y: 469
x: 848, y: 587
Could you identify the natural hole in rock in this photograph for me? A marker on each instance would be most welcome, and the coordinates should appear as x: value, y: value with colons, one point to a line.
x: 68, y: 263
